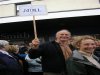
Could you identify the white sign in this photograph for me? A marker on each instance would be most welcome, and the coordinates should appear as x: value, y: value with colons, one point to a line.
x: 29, y: 10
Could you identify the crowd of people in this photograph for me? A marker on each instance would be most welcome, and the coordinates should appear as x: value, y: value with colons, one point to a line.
x: 65, y: 55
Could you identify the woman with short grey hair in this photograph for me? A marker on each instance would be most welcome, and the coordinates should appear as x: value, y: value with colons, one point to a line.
x: 8, y: 64
x: 3, y: 43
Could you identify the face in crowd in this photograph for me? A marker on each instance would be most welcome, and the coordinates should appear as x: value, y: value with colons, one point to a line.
x: 87, y: 45
x: 63, y: 36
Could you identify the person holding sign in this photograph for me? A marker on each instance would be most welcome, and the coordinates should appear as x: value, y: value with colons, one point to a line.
x: 54, y: 53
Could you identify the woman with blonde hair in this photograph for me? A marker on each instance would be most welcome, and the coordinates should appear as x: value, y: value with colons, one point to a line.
x: 83, y: 60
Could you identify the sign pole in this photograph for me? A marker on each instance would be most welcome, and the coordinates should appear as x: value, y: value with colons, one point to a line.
x: 28, y: 10
x: 34, y: 25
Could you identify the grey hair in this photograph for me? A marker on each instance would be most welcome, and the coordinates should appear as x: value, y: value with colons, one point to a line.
x: 3, y: 43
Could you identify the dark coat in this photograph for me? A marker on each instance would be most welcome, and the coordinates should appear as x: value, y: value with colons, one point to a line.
x: 97, y: 52
x: 79, y: 65
x: 9, y: 65
x: 52, y: 57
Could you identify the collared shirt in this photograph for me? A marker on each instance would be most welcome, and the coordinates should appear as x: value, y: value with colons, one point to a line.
x: 90, y: 58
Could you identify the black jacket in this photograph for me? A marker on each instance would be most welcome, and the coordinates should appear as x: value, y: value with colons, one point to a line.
x: 9, y: 65
x: 52, y: 57
x: 97, y: 53
x: 79, y: 65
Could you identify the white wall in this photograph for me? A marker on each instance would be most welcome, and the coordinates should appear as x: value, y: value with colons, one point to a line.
x: 63, y: 5
x: 7, y: 10
x: 52, y: 6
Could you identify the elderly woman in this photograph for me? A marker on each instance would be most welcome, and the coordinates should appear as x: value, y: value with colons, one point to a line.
x: 83, y: 61
x: 8, y: 64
